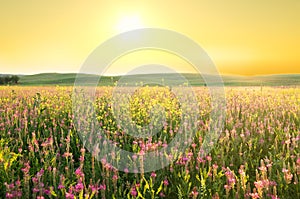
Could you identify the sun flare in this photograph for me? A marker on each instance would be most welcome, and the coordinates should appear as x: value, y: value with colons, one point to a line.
x: 129, y: 22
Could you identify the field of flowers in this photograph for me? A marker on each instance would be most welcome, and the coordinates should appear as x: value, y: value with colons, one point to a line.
x: 256, y: 156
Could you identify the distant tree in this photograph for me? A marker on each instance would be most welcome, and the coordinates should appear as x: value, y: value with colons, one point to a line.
x: 4, y: 80
x: 15, y: 79
x: 7, y: 79
x: 1, y: 80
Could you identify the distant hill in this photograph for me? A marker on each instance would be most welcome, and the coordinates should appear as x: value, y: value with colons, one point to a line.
x: 193, y: 79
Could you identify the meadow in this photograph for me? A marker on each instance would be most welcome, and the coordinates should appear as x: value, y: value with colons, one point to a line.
x: 256, y: 156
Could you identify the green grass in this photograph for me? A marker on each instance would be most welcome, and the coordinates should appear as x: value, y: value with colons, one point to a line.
x: 68, y: 79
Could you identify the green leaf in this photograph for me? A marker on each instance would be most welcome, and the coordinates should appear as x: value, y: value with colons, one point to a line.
x: 53, y: 193
x: 139, y: 194
x: 159, y: 188
x: 180, y: 195
x: 198, y: 178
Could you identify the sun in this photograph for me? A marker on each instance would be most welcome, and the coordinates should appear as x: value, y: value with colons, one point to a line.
x: 129, y: 22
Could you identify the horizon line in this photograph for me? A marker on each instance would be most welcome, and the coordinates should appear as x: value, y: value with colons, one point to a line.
x: 116, y: 75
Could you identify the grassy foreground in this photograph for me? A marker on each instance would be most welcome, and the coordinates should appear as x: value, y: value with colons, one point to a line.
x: 256, y: 156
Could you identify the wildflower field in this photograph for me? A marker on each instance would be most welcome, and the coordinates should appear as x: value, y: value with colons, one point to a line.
x: 257, y: 154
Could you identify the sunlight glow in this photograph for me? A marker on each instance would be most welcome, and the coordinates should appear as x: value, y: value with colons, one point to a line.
x: 129, y: 23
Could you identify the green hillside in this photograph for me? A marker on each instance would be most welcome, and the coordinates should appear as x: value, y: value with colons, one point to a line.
x: 66, y: 79
x: 193, y: 79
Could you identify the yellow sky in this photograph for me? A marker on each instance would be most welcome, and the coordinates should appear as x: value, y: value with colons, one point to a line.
x: 241, y: 37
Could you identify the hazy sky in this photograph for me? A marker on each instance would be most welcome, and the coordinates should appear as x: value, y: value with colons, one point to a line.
x: 241, y: 37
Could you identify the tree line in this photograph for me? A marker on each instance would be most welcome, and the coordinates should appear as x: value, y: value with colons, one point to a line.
x: 9, y: 79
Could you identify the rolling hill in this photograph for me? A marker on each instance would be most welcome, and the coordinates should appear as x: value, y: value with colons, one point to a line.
x: 68, y: 79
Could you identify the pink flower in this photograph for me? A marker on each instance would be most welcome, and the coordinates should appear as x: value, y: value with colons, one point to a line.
x: 79, y: 186
x: 40, y: 173
x: 115, y: 177
x: 215, y: 166
x: 269, y: 165
x: 185, y: 159
x: 262, y: 168
x: 78, y: 172
x: 81, y: 158
x: 153, y: 174
x: 133, y: 192
x: 102, y: 187
x: 67, y: 154
x: 9, y: 195
x: 93, y: 188
x: 18, y: 193
x: 194, y: 145
x: 272, y: 183
x: 134, y: 157
x: 103, y: 160
x: 284, y: 170
x: 11, y: 186
x: 60, y: 186
x: 47, y: 191
x: 26, y: 168
x: 18, y: 183
x: 259, y: 184
x: 227, y: 187
x: 162, y: 195
x: 241, y: 171
x: 274, y: 197
x: 35, y: 190
x: 34, y: 180
x: 200, y: 160
x: 298, y: 161
x: 254, y: 195
x: 194, y: 193
x: 266, y: 183
x: 164, y: 145
x: 208, y: 158
x: 166, y: 182
x: 69, y: 196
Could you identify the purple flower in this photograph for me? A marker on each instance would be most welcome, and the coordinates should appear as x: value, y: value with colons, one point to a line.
x: 34, y: 180
x: 11, y: 186
x: 40, y: 173
x: 153, y: 174
x: 9, y: 195
x: 162, y: 195
x: 47, y: 191
x: 115, y: 177
x: 126, y: 170
x: 60, y: 186
x: 35, y: 190
x: 78, y: 172
x: 18, y: 193
x: 79, y: 186
x: 18, y: 183
x: 69, y: 196
x: 93, y: 188
x: 166, y: 182
x: 133, y: 192
x: 81, y: 158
